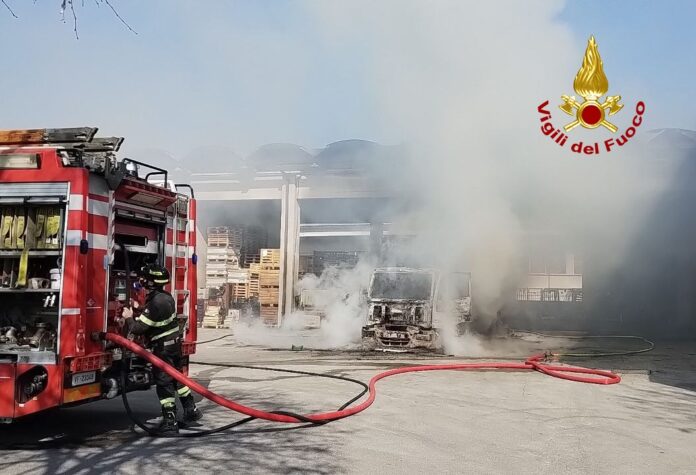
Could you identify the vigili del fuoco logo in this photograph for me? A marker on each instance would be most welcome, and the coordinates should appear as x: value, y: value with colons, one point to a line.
x: 591, y: 113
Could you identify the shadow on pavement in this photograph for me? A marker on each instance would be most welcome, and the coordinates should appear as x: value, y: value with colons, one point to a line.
x: 100, y: 437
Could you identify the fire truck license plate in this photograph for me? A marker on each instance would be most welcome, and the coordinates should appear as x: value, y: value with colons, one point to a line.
x: 84, y: 378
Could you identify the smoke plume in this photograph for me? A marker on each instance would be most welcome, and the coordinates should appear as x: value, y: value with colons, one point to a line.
x: 459, y: 83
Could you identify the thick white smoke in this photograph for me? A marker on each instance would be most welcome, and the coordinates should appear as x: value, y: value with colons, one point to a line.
x: 461, y: 82
x: 338, y: 294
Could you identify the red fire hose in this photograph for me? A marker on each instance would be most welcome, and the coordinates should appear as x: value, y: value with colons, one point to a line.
x: 533, y: 363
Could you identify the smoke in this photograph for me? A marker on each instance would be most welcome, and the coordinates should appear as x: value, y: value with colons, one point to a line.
x: 338, y: 295
x: 461, y: 82
x: 477, y: 182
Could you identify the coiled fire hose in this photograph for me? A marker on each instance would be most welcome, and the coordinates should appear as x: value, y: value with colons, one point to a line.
x: 533, y: 363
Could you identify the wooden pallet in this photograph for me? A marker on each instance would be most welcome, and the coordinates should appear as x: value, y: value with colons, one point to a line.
x: 268, y: 297
x: 269, y: 314
x: 223, y: 236
x: 251, y: 259
x: 239, y: 291
x: 254, y: 280
x: 270, y: 257
x: 269, y: 279
x: 212, y: 321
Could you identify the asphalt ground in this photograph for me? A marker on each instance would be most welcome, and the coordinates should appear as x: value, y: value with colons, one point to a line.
x: 440, y: 422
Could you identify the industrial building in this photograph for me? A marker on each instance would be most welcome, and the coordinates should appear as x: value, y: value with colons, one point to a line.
x: 329, y: 206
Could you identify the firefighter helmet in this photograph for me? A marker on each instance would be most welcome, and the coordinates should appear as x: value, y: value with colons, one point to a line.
x: 154, y: 275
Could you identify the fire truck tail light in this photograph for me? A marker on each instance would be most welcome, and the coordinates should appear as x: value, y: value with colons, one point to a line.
x: 90, y: 363
x: 14, y: 161
x: 188, y: 348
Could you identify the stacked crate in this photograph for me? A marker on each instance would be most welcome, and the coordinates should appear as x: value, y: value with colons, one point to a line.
x: 269, y: 285
x: 239, y: 292
x: 251, y: 259
x: 222, y: 269
x: 238, y: 281
x: 222, y: 255
x: 226, y: 236
x: 254, y: 270
x: 211, y: 317
x: 213, y: 321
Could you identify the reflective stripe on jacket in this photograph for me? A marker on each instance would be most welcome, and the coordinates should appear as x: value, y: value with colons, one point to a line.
x: 158, y: 320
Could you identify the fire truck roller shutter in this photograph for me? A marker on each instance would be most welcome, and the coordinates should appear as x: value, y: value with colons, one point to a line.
x: 33, y: 190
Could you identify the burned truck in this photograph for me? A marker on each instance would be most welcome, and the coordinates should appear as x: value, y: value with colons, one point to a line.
x: 408, y: 307
x: 400, y: 314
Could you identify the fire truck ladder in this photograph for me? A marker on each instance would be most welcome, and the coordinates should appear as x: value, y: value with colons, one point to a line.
x: 180, y: 249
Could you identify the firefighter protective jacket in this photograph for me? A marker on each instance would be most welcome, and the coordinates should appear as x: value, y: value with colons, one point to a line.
x: 158, y: 321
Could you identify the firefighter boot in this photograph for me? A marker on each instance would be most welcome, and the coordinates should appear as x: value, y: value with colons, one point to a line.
x: 191, y: 412
x: 169, y: 424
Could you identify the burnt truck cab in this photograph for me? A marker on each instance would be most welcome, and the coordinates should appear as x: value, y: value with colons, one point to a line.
x: 400, y: 309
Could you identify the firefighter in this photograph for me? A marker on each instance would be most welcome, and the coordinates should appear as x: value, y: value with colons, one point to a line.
x: 158, y: 322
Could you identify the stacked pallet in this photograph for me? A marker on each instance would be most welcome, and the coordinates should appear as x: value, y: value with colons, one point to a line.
x: 269, y: 285
x: 221, y: 262
x: 269, y: 314
x: 210, y: 321
x: 225, y: 236
x: 254, y: 270
x: 250, y: 259
x: 239, y: 291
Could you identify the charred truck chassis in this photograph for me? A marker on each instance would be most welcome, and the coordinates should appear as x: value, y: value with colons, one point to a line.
x: 400, y: 314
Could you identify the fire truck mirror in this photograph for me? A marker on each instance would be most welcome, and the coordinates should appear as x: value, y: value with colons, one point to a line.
x: 84, y: 246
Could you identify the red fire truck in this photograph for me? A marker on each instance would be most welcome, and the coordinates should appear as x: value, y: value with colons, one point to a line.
x: 75, y: 225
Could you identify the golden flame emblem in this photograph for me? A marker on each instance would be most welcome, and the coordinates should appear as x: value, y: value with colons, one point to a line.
x: 591, y: 83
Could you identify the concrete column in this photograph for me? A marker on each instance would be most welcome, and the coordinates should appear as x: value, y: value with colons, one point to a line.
x: 289, y: 245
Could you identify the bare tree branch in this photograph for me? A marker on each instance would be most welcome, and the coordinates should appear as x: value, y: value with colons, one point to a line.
x: 72, y: 8
x: 9, y: 9
x: 119, y: 16
x: 70, y: 4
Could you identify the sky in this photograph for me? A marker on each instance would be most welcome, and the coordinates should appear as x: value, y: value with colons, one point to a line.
x: 239, y: 74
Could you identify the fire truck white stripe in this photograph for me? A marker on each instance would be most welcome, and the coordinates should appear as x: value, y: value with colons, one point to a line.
x: 76, y: 202
x: 98, y: 208
x: 70, y: 311
x: 169, y: 247
x: 95, y: 207
x: 96, y: 241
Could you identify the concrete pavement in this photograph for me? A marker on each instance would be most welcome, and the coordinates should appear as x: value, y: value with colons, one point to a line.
x: 444, y: 422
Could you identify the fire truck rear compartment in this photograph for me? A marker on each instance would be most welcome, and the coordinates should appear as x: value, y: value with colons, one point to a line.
x: 32, y: 228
